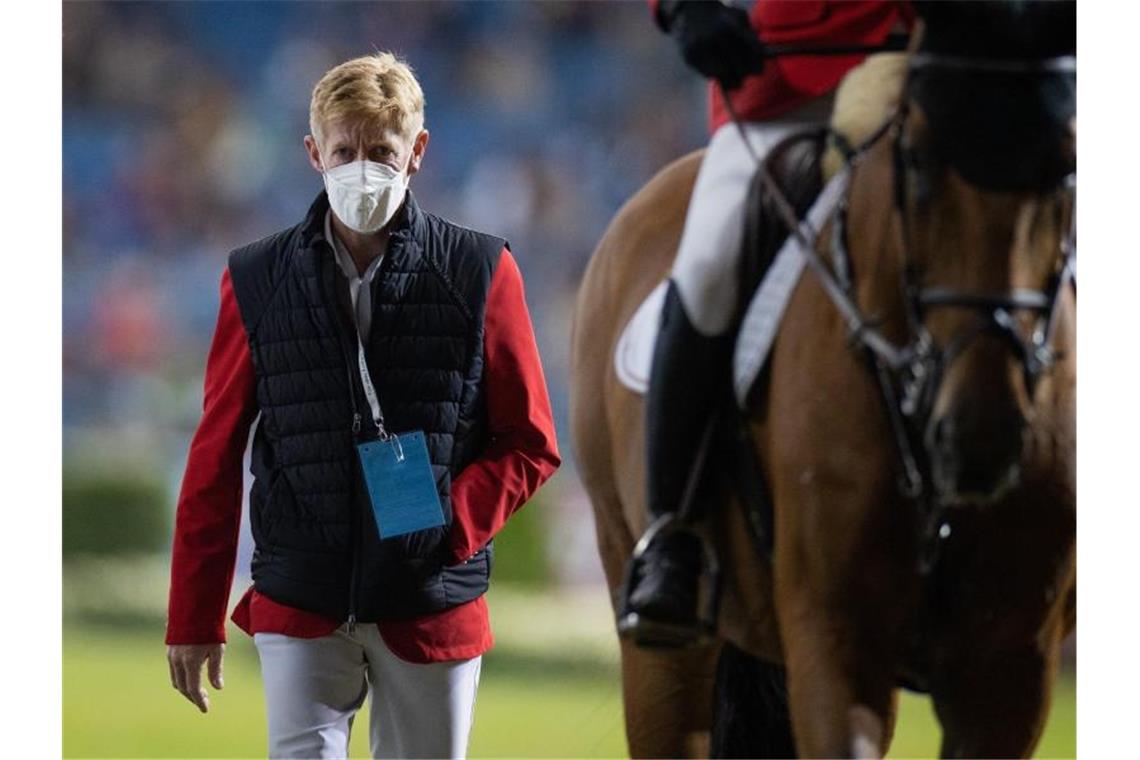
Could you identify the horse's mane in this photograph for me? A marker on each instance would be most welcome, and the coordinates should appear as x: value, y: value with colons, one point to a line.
x: 864, y: 101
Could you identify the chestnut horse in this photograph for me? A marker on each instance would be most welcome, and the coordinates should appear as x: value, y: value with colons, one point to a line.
x: 946, y: 362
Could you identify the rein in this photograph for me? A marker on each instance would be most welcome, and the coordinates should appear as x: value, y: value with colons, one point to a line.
x: 909, y: 374
x: 896, y: 43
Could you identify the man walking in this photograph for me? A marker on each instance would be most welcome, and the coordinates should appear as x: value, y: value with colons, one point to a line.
x: 403, y: 418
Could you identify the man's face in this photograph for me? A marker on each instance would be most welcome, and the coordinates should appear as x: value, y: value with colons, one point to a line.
x: 344, y: 141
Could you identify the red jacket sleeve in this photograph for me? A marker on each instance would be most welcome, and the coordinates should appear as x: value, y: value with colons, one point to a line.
x: 522, y: 452
x: 209, y: 505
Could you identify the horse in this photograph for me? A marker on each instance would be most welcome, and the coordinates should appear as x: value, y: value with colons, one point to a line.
x: 914, y: 424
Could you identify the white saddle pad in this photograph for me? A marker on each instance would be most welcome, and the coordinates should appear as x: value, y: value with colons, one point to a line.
x: 766, y: 310
x: 634, y: 353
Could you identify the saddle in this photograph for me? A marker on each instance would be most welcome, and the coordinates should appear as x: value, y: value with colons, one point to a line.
x: 795, y: 164
x: 801, y: 164
x: 865, y: 98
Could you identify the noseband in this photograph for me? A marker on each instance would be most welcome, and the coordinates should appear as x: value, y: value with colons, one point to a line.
x: 909, y: 375
x: 922, y: 363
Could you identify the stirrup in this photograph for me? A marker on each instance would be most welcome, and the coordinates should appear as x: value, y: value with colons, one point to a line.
x: 653, y: 633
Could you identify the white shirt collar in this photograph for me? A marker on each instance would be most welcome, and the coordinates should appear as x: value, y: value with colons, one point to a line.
x: 344, y: 258
x: 359, y: 286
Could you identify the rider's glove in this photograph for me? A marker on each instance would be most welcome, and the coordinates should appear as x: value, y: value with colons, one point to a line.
x: 716, y: 39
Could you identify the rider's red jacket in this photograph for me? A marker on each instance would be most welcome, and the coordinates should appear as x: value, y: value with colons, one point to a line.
x: 788, y: 82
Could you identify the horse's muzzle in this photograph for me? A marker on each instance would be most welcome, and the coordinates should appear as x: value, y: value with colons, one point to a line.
x: 975, y: 458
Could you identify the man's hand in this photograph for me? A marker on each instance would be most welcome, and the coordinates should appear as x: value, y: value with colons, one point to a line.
x: 186, y: 662
x: 716, y: 39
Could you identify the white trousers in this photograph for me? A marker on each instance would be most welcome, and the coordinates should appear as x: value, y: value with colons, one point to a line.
x: 313, y: 688
x: 707, y: 263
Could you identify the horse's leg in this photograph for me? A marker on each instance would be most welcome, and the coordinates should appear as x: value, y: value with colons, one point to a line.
x: 891, y: 722
x: 841, y: 608
x: 1000, y: 610
x: 667, y: 695
x: 841, y: 696
x: 993, y: 674
x: 668, y: 700
x: 995, y: 704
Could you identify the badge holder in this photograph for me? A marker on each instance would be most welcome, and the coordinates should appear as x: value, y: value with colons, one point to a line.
x: 397, y: 472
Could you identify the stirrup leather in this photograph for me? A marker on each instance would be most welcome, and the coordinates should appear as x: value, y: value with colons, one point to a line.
x: 644, y: 632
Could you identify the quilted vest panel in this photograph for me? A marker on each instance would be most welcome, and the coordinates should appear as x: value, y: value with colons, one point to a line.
x: 317, y: 547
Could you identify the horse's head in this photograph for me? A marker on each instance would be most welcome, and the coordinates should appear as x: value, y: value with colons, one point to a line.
x: 997, y: 85
x: 981, y: 161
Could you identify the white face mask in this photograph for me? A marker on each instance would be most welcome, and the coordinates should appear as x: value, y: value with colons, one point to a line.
x: 365, y: 194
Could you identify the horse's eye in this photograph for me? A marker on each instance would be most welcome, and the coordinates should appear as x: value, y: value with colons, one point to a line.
x: 924, y: 169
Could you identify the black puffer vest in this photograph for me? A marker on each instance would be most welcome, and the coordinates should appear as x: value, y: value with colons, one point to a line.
x: 317, y: 546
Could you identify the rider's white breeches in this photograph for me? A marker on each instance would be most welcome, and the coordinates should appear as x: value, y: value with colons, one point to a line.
x: 707, y: 264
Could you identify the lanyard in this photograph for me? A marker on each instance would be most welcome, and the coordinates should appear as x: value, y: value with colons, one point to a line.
x: 347, y: 265
x: 370, y: 389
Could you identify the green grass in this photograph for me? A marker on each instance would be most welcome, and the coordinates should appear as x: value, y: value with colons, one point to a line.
x: 550, y: 688
x: 118, y: 703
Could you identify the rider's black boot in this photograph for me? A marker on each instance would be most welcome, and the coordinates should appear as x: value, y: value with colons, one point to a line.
x: 688, y: 378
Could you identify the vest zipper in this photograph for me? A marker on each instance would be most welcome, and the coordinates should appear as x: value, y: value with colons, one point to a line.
x: 356, y: 511
x: 356, y: 423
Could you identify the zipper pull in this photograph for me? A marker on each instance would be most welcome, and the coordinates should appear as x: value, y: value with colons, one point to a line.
x: 356, y: 422
x: 352, y: 623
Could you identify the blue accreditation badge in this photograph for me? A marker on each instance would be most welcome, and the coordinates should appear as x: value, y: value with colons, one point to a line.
x: 400, y: 484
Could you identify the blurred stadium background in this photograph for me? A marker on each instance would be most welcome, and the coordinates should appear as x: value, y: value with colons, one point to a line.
x: 182, y: 140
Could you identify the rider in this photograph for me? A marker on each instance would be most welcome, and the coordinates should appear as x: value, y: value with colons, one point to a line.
x: 694, y: 346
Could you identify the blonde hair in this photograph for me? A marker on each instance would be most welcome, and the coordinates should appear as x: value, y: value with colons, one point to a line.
x: 377, y: 87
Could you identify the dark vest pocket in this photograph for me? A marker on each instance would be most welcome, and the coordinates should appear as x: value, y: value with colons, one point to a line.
x: 468, y: 580
x: 265, y: 506
x: 421, y: 546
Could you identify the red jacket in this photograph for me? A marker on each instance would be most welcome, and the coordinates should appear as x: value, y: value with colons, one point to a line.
x: 522, y: 455
x: 788, y: 82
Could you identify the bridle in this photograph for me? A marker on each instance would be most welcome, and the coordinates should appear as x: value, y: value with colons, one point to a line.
x: 909, y: 374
